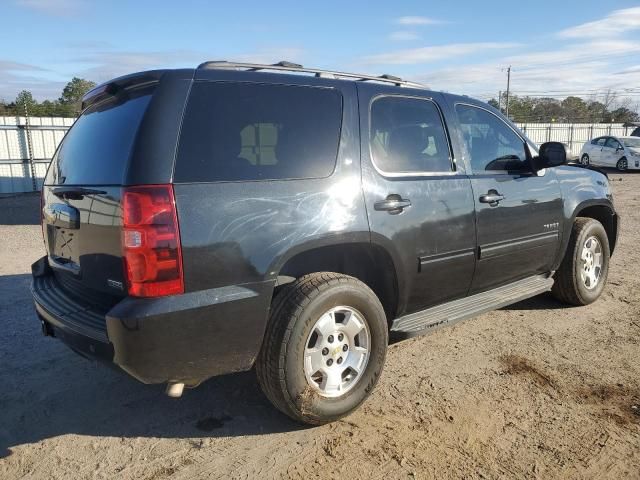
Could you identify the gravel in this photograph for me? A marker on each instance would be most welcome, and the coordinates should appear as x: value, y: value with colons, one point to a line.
x: 533, y: 390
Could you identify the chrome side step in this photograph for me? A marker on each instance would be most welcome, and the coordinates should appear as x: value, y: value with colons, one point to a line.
x: 474, y: 305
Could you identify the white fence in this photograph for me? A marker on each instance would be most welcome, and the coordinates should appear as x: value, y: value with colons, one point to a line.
x: 573, y: 134
x: 25, y: 152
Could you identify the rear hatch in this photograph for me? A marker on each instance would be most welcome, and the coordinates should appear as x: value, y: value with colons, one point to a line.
x: 82, y: 196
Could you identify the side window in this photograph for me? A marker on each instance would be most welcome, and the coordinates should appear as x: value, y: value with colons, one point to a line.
x: 407, y: 136
x: 601, y: 141
x: 612, y: 143
x: 256, y: 131
x: 492, y: 145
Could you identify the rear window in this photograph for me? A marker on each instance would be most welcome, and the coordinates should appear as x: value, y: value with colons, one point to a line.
x: 252, y: 131
x: 96, y: 149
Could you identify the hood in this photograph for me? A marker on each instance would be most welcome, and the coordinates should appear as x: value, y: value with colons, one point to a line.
x: 634, y: 150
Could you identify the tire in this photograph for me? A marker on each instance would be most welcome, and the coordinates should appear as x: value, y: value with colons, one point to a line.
x: 584, y: 160
x: 573, y: 285
x: 295, y: 314
x: 622, y: 164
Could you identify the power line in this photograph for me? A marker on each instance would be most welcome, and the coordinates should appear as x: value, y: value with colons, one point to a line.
x: 592, y: 90
x: 562, y: 94
x: 576, y: 61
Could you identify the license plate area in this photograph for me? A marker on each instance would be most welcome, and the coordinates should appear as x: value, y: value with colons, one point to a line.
x: 63, y: 248
x: 62, y: 229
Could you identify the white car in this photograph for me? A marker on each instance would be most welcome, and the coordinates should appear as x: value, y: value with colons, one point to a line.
x: 620, y: 152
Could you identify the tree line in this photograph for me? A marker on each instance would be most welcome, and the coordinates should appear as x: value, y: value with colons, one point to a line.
x: 68, y: 104
x: 604, y: 108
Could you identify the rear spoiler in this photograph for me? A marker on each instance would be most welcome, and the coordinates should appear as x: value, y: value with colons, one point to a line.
x: 113, y: 87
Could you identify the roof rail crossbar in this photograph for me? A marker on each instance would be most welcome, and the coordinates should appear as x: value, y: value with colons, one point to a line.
x: 295, y: 67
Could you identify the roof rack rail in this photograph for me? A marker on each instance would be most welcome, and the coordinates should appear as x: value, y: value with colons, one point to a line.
x: 295, y: 67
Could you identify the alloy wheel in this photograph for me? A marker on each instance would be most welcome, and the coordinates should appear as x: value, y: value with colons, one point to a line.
x: 591, y: 263
x: 622, y: 164
x: 337, y: 351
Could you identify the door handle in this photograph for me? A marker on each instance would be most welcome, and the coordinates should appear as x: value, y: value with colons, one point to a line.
x: 393, y: 204
x: 493, y: 198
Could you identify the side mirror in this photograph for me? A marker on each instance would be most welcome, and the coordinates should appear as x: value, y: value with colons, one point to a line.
x: 552, y: 154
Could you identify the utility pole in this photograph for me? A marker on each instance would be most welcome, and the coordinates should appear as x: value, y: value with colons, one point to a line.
x: 500, y: 100
x: 508, y: 85
x: 27, y: 131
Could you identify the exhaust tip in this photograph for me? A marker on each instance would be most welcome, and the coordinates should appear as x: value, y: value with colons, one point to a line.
x: 46, y: 330
x: 174, y: 390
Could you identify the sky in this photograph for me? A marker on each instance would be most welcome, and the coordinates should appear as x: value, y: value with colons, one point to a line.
x: 555, y: 47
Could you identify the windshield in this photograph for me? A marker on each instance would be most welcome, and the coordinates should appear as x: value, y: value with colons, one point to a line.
x: 631, y: 142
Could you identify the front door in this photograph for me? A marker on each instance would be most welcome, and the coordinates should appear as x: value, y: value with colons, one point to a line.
x: 518, y: 212
x: 420, y: 206
x: 611, y: 152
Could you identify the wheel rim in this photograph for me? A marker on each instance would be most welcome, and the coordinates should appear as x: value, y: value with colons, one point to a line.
x: 591, y: 267
x: 585, y: 160
x: 622, y: 164
x: 337, y: 351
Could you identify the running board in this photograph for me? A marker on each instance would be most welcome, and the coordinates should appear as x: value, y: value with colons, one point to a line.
x: 474, y: 305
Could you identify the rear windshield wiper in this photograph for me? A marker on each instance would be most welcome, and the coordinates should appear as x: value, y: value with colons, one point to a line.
x: 75, y: 193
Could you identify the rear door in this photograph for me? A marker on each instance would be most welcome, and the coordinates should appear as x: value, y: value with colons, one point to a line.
x: 595, y: 150
x: 518, y: 212
x: 419, y: 201
x: 82, y: 216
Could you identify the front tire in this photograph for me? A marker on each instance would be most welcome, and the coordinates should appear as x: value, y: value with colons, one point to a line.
x: 622, y: 164
x: 583, y: 272
x: 324, y: 347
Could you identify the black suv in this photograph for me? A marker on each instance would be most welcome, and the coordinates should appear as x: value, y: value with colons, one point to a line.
x: 204, y: 221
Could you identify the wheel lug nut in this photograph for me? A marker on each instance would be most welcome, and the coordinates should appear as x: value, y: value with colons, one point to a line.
x: 345, y: 347
x: 339, y: 360
x: 340, y: 337
x: 325, y: 351
x: 329, y: 362
x: 330, y: 339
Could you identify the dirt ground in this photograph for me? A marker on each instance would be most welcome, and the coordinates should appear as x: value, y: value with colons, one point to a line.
x: 535, y: 390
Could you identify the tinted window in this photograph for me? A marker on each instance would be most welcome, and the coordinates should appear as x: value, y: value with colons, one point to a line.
x: 251, y: 131
x: 612, y: 143
x: 492, y: 145
x: 407, y: 135
x: 600, y: 141
x: 96, y: 149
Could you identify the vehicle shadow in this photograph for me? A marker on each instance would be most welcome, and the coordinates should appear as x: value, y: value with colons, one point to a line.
x: 544, y: 301
x: 20, y: 209
x: 50, y: 391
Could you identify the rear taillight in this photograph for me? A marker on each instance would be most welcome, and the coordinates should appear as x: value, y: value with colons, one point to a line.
x: 151, y: 241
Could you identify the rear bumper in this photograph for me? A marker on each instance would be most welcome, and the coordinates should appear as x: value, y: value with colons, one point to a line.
x: 183, y: 338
